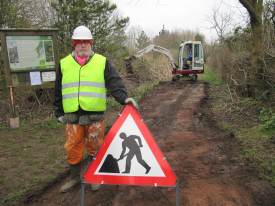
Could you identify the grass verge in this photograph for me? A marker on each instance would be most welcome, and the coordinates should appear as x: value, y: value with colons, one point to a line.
x: 30, y: 158
x: 242, y: 116
x: 210, y: 76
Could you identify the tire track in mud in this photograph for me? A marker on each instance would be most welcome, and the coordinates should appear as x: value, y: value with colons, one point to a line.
x: 196, y: 151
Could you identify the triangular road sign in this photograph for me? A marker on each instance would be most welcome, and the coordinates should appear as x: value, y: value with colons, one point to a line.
x: 130, y: 155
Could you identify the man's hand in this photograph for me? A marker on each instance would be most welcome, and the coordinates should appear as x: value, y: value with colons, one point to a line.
x: 132, y: 101
x: 61, y: 119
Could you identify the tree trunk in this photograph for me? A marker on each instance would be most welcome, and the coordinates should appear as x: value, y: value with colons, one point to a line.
x: 255, y: 76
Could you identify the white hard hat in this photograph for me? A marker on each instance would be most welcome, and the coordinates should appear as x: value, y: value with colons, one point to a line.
x: 82, y: 32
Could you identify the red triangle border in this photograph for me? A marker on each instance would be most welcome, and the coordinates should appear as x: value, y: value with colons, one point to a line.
x: 169, y: 180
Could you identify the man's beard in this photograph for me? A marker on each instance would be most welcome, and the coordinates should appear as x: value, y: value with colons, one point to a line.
x: 82, y: 53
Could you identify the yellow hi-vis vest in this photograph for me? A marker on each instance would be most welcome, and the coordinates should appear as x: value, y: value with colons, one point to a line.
x: 83, y: 86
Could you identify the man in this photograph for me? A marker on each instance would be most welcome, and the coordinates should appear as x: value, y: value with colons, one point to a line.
x: 190, y: 53
x: 134, y: 150
x: 80, y: 100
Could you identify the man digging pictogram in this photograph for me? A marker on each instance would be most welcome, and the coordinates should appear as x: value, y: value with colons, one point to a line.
x: 134, y: 150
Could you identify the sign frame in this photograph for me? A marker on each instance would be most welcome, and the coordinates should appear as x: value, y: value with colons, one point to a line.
x: 171, y: 179
x: 26, y: 32
x: 168, y: 180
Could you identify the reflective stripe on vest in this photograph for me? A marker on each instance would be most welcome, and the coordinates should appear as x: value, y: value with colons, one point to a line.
x: 83, y: 86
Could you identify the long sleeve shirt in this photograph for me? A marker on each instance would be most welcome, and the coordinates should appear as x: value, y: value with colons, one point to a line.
x: 113, y: 83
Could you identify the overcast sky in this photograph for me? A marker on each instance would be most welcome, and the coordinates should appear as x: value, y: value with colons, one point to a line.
x: 150, y: 15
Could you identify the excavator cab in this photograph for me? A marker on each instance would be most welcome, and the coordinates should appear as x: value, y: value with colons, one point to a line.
x: 185, y: 56
x: 191, y: 60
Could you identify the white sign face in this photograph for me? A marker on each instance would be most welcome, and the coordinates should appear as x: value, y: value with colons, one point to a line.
x: 48, y: 76
x: 131, y: 152
x: 35, y: 78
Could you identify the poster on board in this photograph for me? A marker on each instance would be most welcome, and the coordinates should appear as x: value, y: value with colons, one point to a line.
x: 27, y: 53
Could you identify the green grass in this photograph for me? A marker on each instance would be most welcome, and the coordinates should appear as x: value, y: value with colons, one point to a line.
x: 225, y: 126
x: 50, y: 124
x: 112, y: 104
x: 210, y: 76
x: 31, y: 156
x: 141, y: 91
x: 252, y: 126
x: 258, y: 149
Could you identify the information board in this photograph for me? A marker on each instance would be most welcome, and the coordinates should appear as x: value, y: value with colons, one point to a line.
x: 30, y: 56
x: 27, y: 53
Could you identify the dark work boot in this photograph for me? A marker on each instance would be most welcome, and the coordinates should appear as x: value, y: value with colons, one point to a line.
x: 74, y: 178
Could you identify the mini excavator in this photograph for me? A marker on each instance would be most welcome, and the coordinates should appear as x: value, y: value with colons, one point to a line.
x: 190, y: 59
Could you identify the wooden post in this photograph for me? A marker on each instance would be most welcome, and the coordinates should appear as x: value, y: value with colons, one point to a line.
x: 14, y: 121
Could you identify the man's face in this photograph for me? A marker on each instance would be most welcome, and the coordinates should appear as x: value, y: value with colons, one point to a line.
x: 83, y: 47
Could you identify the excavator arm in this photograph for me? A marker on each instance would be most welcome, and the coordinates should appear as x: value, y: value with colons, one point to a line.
x: 159, y: 49
x: 151, y: 47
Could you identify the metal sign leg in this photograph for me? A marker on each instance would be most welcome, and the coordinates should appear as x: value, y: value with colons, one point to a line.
x: 178, y: 199
x: 82, y: 194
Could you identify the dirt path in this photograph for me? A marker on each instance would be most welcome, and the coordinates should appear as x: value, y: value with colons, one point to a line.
x: 201, y: 156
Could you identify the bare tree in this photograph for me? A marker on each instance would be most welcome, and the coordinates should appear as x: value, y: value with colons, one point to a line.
x: 221, y: 22
x: 38, y: 13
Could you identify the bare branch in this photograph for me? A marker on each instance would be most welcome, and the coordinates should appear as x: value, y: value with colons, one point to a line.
x: 221, y: 22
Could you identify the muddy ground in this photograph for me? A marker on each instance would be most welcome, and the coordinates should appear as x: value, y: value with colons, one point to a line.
x: 204, y: 159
